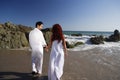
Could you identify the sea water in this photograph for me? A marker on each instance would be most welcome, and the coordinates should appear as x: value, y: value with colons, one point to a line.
x: 90, y: 33
x: 85, y: 38
x: 107, y: 54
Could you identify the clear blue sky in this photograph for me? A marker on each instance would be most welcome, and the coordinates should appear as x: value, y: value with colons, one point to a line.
x: 75, y: 15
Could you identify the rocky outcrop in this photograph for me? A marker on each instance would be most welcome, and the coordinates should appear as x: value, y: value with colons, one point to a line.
x: 47, y: 34
x: 97, y: 40
x: 13, y: 36
x: 76, y: 34
x: 68, y: 45
x: 114, y: 37
x: 17, y: 36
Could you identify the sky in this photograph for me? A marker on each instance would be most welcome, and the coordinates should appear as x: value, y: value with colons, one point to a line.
x: 72, y: 15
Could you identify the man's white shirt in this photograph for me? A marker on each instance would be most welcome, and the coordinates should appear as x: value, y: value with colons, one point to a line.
x: 36, y: 38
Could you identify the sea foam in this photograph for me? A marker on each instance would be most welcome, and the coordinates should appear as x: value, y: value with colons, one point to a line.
x: 87, y: 44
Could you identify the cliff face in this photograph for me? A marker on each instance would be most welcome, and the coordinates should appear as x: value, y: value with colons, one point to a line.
x: 13, y: 36
x: 16, y: 36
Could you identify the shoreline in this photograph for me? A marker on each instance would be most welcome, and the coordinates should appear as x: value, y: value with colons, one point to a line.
x: 79, y: 65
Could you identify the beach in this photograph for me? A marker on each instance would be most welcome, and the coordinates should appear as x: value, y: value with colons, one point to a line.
x: 92, y: 64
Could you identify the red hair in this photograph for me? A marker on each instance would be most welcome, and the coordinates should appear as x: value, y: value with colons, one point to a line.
x: 57, y: 33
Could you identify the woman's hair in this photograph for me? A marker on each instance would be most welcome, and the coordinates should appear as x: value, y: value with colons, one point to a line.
x: 57, y: 33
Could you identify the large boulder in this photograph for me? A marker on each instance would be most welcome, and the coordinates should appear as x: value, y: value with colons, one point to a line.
x: 47, y: 34
x: 13, y: 36
x: 24, y: 41
x: 15, y: 41
x: 68, y: 45
x: 114, y: 37
x: 97, y: 40
x: 72, y: 45
x: 76, y: 34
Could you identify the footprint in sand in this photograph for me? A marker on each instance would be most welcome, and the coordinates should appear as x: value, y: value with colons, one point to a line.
x: 84, y: 79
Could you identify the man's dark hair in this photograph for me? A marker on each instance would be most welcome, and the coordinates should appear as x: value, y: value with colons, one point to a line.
x: 38, y: 23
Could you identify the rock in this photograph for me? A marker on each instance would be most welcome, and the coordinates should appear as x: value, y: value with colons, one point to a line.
x: 46, y: 30
x: 78, y: 43
x: 27, y: 36
x: 114, y: 37
x: 73, y: 45
x: 47, y: 34
x: 97, y: 40
x: 24, y: 28
x: 23, y: 39
x: 1, y: 26
x: 76, y: 34
x: 15, y: 40
x: 69, y: 45
x: 13, y: 36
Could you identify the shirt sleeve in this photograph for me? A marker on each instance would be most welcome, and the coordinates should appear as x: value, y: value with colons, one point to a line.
x: 43, y: 40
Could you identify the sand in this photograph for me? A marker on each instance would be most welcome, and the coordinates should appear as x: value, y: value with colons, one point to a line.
x: 79, y: 65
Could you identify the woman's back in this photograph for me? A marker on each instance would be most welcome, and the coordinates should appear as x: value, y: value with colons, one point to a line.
x: 57, y: 46
x: 57, y: 53
x: 56, y: 61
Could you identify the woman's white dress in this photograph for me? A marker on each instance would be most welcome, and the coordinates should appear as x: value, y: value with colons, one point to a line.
x: 56, y: 62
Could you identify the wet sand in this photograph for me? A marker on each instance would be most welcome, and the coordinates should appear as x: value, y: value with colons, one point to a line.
x: 79, y: 65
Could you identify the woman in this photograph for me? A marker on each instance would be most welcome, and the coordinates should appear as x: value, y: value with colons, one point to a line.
x: 58, y: 51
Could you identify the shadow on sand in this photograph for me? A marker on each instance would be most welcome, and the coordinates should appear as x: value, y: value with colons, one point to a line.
x: 20, y: 76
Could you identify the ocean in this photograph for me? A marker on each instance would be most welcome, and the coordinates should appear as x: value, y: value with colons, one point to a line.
x: 89, y: 33
x: 106, y: 55
x: 85, y: 38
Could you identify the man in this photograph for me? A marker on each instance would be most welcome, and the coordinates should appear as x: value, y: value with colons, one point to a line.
x: 37, y: 42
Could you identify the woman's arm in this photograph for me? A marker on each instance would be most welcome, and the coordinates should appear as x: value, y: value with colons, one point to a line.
x: 64, y: 46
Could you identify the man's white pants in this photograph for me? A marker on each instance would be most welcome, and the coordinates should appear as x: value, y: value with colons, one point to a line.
x: 37, y: 59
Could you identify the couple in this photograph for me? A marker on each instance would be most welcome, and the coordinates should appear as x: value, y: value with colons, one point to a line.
x: 58, y: 50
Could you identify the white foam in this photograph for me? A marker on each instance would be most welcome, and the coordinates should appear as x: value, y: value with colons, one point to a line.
x: 87, y: 45
x: 74, y: 39
x: 108, y: 53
